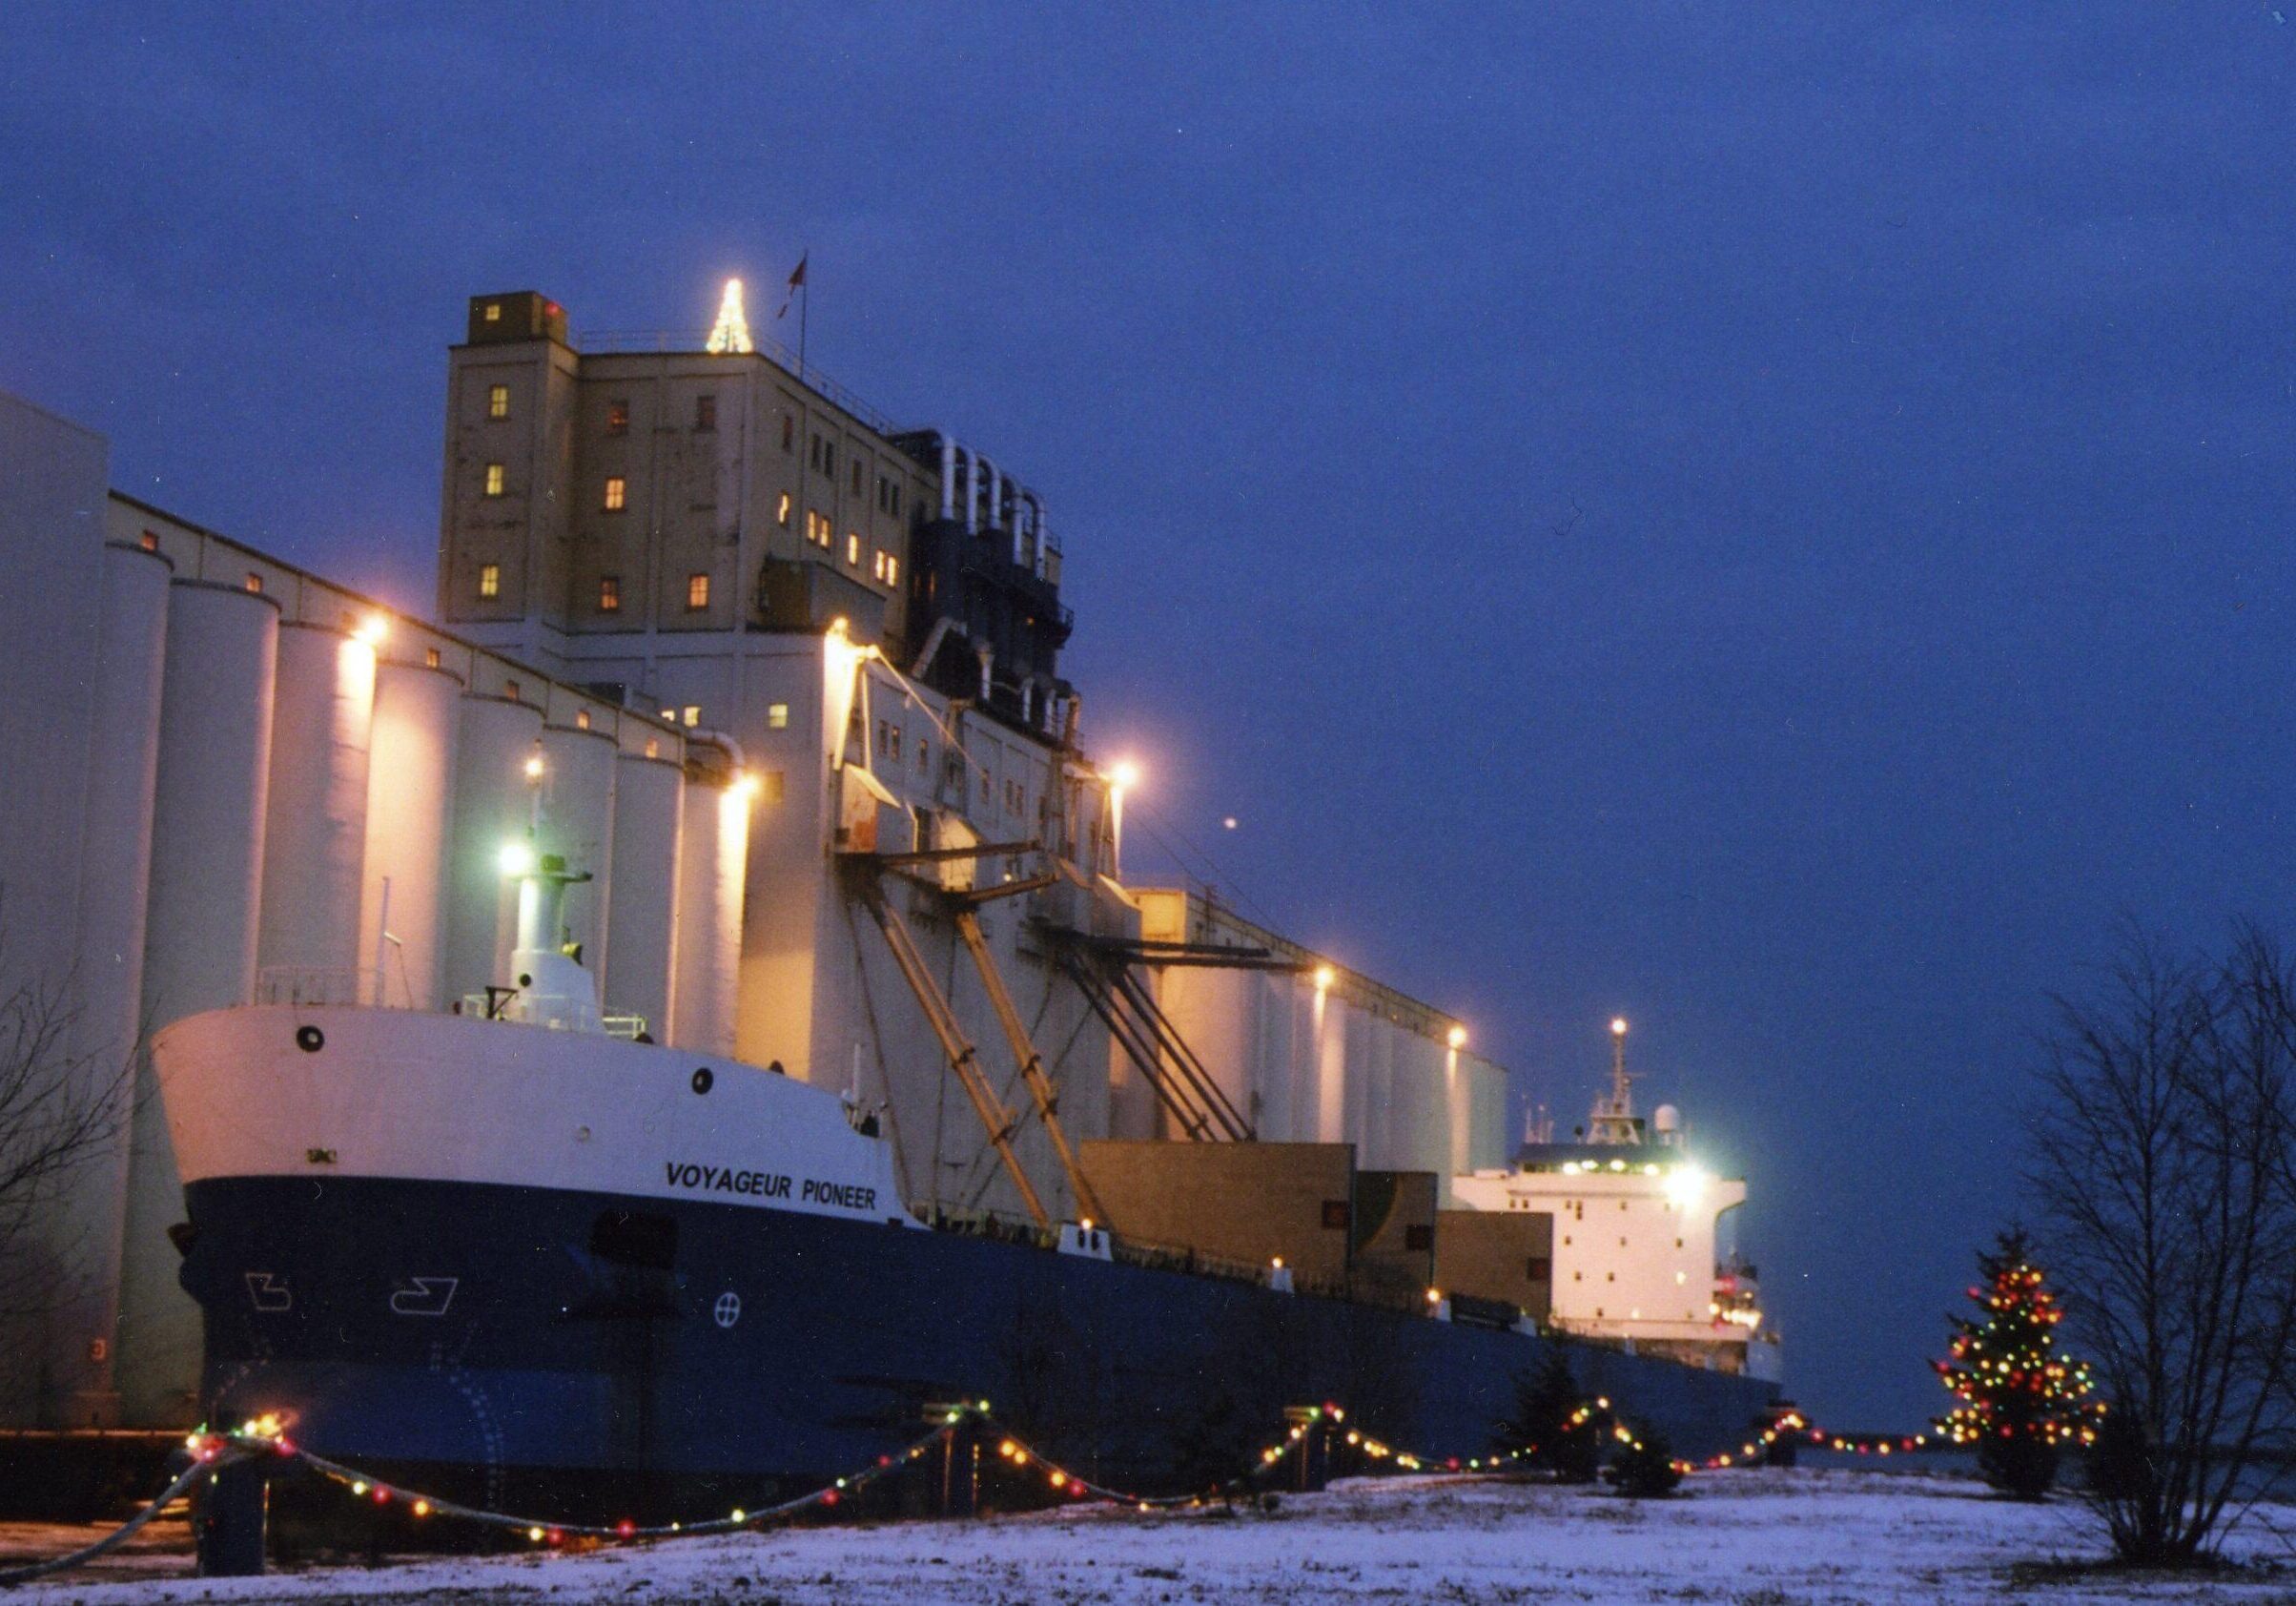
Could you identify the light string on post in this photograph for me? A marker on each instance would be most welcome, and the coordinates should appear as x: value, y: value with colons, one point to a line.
x: 266, y: 1437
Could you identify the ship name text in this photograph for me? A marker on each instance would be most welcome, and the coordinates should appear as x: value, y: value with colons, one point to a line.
x: 769, y: 1185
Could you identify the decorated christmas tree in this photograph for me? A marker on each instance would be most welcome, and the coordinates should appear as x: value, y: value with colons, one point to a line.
x: 2023, y: 1402
x: 1554, y: 1425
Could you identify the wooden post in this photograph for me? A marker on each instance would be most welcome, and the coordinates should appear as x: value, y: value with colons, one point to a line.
x: 230, y: 1512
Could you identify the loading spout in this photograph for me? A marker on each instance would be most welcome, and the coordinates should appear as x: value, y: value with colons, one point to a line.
x: 963, y: 1058
x: 1029, y: 1061
x: 1153, y: 1044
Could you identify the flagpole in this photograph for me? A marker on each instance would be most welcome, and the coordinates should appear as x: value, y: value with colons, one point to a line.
x: 805, y: 310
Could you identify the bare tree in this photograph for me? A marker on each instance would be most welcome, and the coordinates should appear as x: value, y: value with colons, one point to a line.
x: 62, y: 1108
x: 2163, y: 1157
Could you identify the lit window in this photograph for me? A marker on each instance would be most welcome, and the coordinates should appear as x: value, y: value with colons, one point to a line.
x: 616, y: 492
x: 255, y: 583
x: 609, y: 593
x: 498, y: 401
x: 781, y: 514
x: 149, y: 541
x: 490, y: 580
x: 694, y: 715
x: 653, y: 748
x: 697, y: 593
x: 495, y: 479
x: 617, y: 418
x: 430, y: 657
x: 704, y: 413
x: 852, y: 548
x: 877, y: 564
x: 494, y: 312
x: 581, y: 719
x: 510, y: 690
x: 893, y: 569
x: 777, y: 716
x: 771, y: 790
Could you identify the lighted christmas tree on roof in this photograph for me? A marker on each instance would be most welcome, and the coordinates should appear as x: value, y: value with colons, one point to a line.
x: 2022, y: 1401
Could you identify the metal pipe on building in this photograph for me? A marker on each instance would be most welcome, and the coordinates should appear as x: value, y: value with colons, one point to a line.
x: 116, y: 860
x: 495, y: 740
x: 642, y: 903
x: 1035, y: 553
x: 948, y: 473
x: 713, y: 865
x: 315, y: 833
x: 210, y: 792
x: 972, y: 490
x: 579, y: 769
x: 410, y: 820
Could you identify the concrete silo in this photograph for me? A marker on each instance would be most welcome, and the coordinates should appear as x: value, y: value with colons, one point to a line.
x: 713, y: 861
x: 642, y: 904
x: 496, y: 739
x: 115, y: 859
x: 410, y: 824
x: 1420, y: 1133
x: 210, y: 792
x: 314, y: 835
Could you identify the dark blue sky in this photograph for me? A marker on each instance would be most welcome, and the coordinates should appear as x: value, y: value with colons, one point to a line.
x: 1771, y: 520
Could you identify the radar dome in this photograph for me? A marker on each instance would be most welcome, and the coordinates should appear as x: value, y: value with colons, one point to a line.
x: 1666, y: 1118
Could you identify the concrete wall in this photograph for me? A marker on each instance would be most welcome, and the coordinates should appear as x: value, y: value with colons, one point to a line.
x: 1250, y: 1202
x: 1394, y: 1233
x: 1506, y: 1256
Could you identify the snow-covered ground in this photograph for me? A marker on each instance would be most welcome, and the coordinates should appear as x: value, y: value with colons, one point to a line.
x: 1745, y: 1539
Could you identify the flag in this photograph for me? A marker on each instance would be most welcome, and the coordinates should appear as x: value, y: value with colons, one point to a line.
x: 796, y: 283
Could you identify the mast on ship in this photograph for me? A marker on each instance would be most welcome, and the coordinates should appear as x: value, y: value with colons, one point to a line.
x: 551, y: 988
x: 1613, y: 1120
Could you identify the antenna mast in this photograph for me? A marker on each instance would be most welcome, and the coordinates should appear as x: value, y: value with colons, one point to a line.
x: 1613, y: 1120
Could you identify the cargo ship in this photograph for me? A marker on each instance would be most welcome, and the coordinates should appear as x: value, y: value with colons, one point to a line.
x: 512, y: 1257
x: 650, y: 1029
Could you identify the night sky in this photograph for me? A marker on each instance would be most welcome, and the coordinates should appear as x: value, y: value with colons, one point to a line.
x: 1773, y: 520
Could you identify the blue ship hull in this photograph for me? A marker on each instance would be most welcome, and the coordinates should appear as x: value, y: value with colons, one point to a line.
x: 553, y: 1350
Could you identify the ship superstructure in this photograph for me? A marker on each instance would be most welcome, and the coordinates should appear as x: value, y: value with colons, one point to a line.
x: 1636, y: 1226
